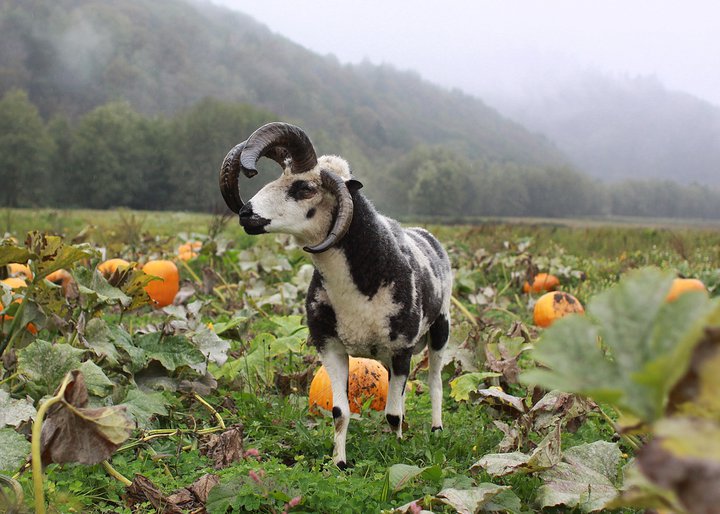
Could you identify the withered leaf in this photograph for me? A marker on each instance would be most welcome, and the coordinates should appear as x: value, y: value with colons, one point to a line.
x: 684, y: 458
x: 195, y: 495
x: 696, y: 392
x: 142, y: 490
x: 73, y: 433
x: 224, y: 448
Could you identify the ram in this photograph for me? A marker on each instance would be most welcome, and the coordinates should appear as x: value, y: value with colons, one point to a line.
x: 379, y: 290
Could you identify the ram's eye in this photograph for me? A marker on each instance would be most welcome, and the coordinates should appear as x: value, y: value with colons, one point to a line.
x: 302, y: 190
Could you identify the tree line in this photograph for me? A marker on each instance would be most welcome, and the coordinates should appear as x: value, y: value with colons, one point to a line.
x: 113, y: 156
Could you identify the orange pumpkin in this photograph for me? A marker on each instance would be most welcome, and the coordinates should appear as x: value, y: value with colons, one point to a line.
x: 555, y: 305
x: 16, y: 283
x: 108, y: 267
x: 162, y: 292
x: 62, y: 278
x: 367, y: 378
x: 542, y: 282
x: 188, y: 250
x: 683, y: 285
x: 20, y: 271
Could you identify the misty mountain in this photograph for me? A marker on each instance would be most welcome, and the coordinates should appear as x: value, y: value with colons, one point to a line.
x: 619, y: 128
x: 165, y: 55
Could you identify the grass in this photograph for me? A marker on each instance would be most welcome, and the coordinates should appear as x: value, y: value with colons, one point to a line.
x: 294, y: 448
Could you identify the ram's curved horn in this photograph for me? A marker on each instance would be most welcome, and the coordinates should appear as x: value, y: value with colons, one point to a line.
x: 279, y: 138
x: 229, y: 178
x: 337, y: 187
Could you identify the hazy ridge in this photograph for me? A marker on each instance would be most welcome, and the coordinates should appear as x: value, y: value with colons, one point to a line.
x: 165, y: 55
x: 620, y: 127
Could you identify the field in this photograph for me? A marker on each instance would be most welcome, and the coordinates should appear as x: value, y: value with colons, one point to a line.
x: 217, y: 383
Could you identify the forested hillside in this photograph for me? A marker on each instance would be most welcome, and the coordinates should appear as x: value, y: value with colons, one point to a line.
x: 135, y: 103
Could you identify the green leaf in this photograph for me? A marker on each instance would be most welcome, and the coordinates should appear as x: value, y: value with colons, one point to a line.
x: 51, y: 254
x: 220, y: 328
x: 650, y: 342
x: 10, y: 253
x: 143, y: 406
x: 14, y: 449
x: 134, y: 358
x: 546, y: 455
x: 92, y: 284
x: 96, y: 380
x: 470, y: 501
x: 13, y: 412
x: 210, y: 345
x: 99, y: 338
x: 462, y: 386
x: 44, y: 365
x: 570, y: 348
x: 398, y: 476
x: 171, y: 351
x: 585, y: 478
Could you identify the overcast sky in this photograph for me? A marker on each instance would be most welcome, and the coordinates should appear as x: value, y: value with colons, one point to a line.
x: 499, y: 47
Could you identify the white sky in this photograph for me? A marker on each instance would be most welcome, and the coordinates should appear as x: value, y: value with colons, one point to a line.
x: 494, y: 48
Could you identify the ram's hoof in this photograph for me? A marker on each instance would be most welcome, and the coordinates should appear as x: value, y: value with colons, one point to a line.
x: 393, y: 420
x: 435, y: 429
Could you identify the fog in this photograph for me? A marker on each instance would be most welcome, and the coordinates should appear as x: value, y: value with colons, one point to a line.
x: 500, y: 49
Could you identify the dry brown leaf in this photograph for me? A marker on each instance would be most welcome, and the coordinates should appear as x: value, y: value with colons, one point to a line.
x: 142, y: 490
x: 73, y: 433
x: 224, y: 448
x: 195, y: 495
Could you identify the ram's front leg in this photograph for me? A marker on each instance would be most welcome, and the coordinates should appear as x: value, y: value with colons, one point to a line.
x: 336, y: 363
x: 395, y: 407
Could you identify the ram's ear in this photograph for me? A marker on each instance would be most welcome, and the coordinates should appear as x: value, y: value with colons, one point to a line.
x: 353, y: 185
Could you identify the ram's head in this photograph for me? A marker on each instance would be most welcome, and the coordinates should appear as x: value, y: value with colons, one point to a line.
x: 311, y: 200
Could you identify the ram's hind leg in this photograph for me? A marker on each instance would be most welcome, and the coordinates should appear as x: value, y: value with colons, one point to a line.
x: 439, y: 334
x: 337, y: 365
x: 395, y: 407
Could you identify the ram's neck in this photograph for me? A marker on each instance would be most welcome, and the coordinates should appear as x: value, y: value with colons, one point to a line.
x: 367, y: 255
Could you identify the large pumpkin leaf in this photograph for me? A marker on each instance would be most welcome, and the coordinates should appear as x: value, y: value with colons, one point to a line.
x: 462, y: 386
x: 546, y: 455
x: 398, y: 476
x: 94, y: 287
x: 73, y: 433
x: 585, y: 478
x: 650, y: 342
x: 470, y: 501
x: 14, y: 449
x: 44, y: 365
x: 13, y: 412
x: 144, y: 406
x: 696, y: 394
x: 50, y: 254
x: 98, y: 337
x: 684, y: 458
x: 96, y: 380
x: 10, y: 253
x: 210, y: 345
x: 171, y: 351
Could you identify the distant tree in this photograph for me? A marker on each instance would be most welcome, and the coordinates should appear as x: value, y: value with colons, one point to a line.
x: 119, y: 158
x: 25, y: 151
x: 200, y: 138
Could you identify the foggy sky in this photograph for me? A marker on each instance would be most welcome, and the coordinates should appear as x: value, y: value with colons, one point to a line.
x: 502, y: 48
